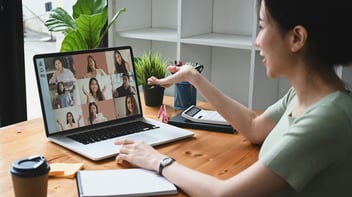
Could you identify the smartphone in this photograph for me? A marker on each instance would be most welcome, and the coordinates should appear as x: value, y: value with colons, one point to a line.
x: 197, y: 114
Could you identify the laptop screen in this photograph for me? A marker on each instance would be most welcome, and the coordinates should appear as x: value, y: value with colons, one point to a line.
x: 83, y: 88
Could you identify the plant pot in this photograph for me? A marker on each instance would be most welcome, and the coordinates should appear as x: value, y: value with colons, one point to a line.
x: 153, y: 95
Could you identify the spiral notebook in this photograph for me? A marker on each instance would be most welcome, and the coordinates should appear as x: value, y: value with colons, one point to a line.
x: 122, y: 182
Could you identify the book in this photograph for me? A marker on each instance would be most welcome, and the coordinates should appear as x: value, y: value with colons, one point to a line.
x: 180, y: 121
x: 122, y: 182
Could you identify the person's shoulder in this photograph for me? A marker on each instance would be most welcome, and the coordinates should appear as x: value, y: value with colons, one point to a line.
x: 335, y: 107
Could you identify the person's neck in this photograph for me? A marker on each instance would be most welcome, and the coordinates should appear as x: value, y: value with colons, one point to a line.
x: 310, y: 89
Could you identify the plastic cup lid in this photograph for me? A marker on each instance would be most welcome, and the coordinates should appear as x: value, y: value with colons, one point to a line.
x: 31, y: 166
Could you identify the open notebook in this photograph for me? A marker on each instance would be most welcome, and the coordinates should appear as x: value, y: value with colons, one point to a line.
x: 91, y: 98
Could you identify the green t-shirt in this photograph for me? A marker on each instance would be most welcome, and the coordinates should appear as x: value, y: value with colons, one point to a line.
x: 313, y: 152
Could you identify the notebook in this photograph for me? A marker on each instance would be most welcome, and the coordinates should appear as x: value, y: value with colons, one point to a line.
x: 122, y: 182
x: 90, y: 99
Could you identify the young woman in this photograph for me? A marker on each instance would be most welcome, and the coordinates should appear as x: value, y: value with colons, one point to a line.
x: 121, y: 66
x: 63, y: 98
x: 131, y: 105
x: 94, y: 115
x: 306, y: 136
x: 70, y: 122
x: 95, y: 94
x: 92, y: 68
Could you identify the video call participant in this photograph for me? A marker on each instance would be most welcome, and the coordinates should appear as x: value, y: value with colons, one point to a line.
x: 92, y: 68
x: 63, y: 98
x: 121, y: 66
x: 131, y: 105
x: 95, y: 94
x: 61, y: 74
x: 94, y: 115
x: 70, y: 122
x: 125, y: 89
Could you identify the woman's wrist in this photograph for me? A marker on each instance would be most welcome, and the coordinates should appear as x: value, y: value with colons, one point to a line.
x: 156, y: 162
x: 194, y: 77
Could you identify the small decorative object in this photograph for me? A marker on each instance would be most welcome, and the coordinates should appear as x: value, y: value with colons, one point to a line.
x: 85, y: 29
x: 151, y: 64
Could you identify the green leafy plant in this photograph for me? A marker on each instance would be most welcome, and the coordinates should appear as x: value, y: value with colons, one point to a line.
x: 84, y: 30
x: 149, y: 64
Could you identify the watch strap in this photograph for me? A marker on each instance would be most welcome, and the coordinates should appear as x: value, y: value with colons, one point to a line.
x: 164, y: 163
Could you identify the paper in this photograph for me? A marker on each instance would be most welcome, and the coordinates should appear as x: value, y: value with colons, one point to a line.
x: 123, y: 182
x: 66, y: 170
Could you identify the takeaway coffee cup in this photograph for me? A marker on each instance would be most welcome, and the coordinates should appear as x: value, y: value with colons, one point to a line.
x: 30, y: 176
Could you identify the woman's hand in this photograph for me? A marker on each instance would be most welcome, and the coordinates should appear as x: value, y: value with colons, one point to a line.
x: 180, y: 74
x: 85, y: 91
x: 139, y: 153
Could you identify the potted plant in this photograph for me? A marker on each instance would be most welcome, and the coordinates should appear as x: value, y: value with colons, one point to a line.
x: 151, y: 64
x: 85, y: 29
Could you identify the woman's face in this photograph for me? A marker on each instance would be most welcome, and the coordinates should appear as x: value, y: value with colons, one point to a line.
x: 130, y: 105
x: 61, y: 87
x: 93, y: 109
x: 91, y: 63
x: 94, y: 86
x: 58, y: 65
x: 273, y: 45
x: 69, y: 117
x: 118, y: 58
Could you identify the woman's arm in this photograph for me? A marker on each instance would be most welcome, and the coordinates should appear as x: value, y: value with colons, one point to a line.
x: 86, y: 93
x: 128, y: 68
x: 101, y: 71
x: 253, y: 126
x: 257, y: 180
x: 78, y: 120
x: 60, y: 125
x: 103, y: 92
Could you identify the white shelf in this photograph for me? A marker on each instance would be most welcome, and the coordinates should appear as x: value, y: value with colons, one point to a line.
x: 159, y: 34
x: 217, y: 33
x: 220, y: 40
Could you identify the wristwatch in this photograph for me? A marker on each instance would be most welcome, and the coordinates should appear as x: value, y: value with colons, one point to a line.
x: 165, y: 162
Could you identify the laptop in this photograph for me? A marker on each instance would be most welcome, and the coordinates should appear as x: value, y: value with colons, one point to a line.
x: 90, y: 99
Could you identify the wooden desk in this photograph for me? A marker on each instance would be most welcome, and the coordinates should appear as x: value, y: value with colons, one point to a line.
x: 219, y: 154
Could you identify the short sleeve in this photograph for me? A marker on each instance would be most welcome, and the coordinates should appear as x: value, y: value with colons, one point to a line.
x: 310, y: 145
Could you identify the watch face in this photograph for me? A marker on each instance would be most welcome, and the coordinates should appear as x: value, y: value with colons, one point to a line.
x: 166, y: 161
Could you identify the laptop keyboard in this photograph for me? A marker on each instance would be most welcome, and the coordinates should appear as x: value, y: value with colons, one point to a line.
x: 112, y: 132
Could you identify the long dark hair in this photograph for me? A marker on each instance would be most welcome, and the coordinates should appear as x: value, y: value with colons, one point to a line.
x: 99, y: 94
x: 329, y: 36
x: 134, y: 102
x: 123, y: 62
x: 73, y: 118
x: 95, y: 63
x: 58, y: 89
x: 90, y: 113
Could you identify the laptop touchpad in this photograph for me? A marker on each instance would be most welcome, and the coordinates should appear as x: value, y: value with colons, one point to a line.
x: 143, y: 137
